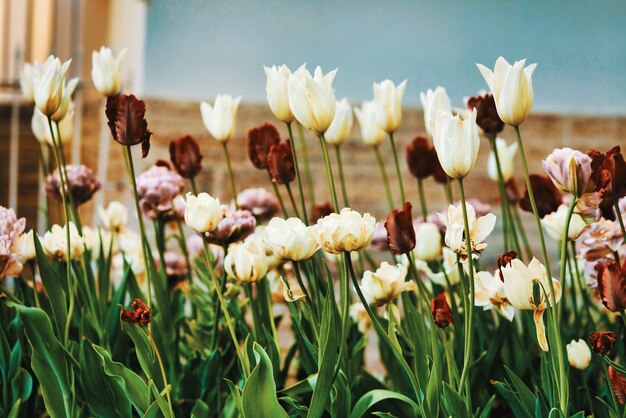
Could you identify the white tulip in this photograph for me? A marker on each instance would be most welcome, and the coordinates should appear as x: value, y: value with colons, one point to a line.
x: 202, y: 212
x: 371, y: 133
x: 385, y: 284
x: 312, y: 98
x: 433, y: 102
x: 66, y: 100
x: 291, y: 239
x: 450, y: 271
x: 479, y: 229
x: 457, y: 142
x: 24, y: 247
x: 246, y: 262
x: 41, y: 129
x: 54, y: 243
x: 105, y: 71
x: 388, y: 100
x: 48, y: 85
x: 219, y: 119
x: 346, y: 231
x: 512, y: 89
x: 27, y: 80
x: 554, y: 223
x: 506, y: 155
x: 427, y: 242
x: 114, y: 217
x: 490, y: 294
x: 578, y: 354
x: 277, y: 90
x: 339, y: 130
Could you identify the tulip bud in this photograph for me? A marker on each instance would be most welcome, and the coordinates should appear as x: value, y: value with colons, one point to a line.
x: 371, y: 132
x: 105, y: 71
x: 66, y: 100
x: 246, y: 262
x: 388, y: 101
x: 127, y: 122
x: 219, y: 119
x: 339, y: 130
x: 433, y: 102
x: 612, y: 285
x: 54, y: 243
x: 440, y: 309
x: 506, y: 156
x: 428, y: 242
x: 554, y: 223
x: 114, y: 217
x: 578, y: 354
x: 602, y: 341
x: 277, y: 90
x: 280, y: 163
x: 41, y: 129
x: 48, y: 85
x: 512, y: 89
x: 27, y: 80
x: 185, y: 156
x: 202, y: 212
x: 400, y: 231
x: 346, y: 231
x: 457, y: 142
x: 547, y: 196
x: 421, y: 157
x: 609, y: 173
x: 312, y: 98
x: 385, y: 284
x: 260, y: 139
x: 486, y: 114
x: 570, y: 171
x: 291, y: 239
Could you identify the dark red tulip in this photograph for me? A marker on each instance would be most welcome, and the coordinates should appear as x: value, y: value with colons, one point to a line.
x: 126, y: 119
x: 609, y: 173
x: 439, y: 175
x: 320, y: 210
x: 420, y: 157
x: 612, y: 285
x: 140, y: 313
x: 260, y: 139
x: 618, y: 382
x: 440, y: 309
x: 602, y: 341
x: 280, y: 163
x: 512, y: 191
x: 547, y: 196
x: 486, y: 114
x: 185, y: 156
x: 504, y: 260
x: 400, y: 230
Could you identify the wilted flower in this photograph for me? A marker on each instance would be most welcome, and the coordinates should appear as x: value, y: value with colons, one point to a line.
x: 339, y: 130
x: 277, y: 91
x: 346, y: 231
x: 578, y: 354
x: 139, y: 315
x: 547, y: 196
x: 487, y: 115
x: 235, y: 225
x: 290, y: 239
x: 609, y: 173
x: 246, y: 262
x: 479, y: 230
x: 527, y: 288
x: 421, y: 157
x: 105, y: 71
x: 260, y: 202
x: 506, y: 156
x: 504, y: 259
x: 400, y: 231
x: 554, y: 224
x: 127, y: 122
x: 440, y: 309
x: 457, y: 142
x: 48, y: 85
x: 280, y: 163
x: 156, y: 188
x: 321, y: 210
x: 388, y: 101
x: 570, y: 171
x: 618, y: 382
x: 185, y: 156
x: 114, y: 217
x: 312, y: 98
x: 83, y: 184
x: 602, y: 341
x: 260, y: 140
x: 490, y: 294
x: 612, y: 285
x: 512, y: 89
x: 219, y: 119
x: 433, y: 102
x: 428, y: 242
x: 202, y: 212
x: 371, y: 133
x: 601, y: 239
x: 54, y: 243
x: 385, y: 284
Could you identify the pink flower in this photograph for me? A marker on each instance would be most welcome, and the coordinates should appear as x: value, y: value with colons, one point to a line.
x: 234, y: 226
x: 570, y: 171
x: 157, y: 189
x: 83, y: 184
x: 10, y: 229
x: 260, y: 202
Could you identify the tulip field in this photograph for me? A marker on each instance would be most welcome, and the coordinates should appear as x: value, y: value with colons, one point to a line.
x: 186, y: 304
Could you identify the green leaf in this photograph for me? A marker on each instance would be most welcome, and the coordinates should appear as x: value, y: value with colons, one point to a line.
x: 52, y: 281
x: 453, y: 402
x: 15, y: 409
x: 145, y: 352
x: 302, y: 387
x: 372, y: 397
x: 525, y: 395
x: 512, y: 399
x: 200, y: 410
x: 236, y: 393
x: 259, y: 392
x: 21, y: 386
x: 160, y: 399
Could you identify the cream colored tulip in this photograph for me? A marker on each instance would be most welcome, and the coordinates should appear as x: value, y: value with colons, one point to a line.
x: 219, y: 118
x: 570, y: 171
x: 246, y: 262
x: 48, y: 85
x: 388, y: 100
x: 506, y: 155
x: 41, y: 128
x: 202, y: 212
x: 339, y: 130
x: 578, y: 354
x: 105, y: 71
x: 490, y: 294
x: 277, y: 91
x: 457, y: 142
x: 24, y: 247
x: 433, y: 102
x: 346, y: 231
x: 479, y: 230
x: 450, y: 271
x: 54, y: 243
x: 312, y: 98
x: 27, y: 80
x: 115, y: 217
x: 554, y: 223
x: 427, y: 242
x: 385, y: 284
x: 512, y: 89
x: 290, y: 239
x: 66, y: 100
x: 371, y: 133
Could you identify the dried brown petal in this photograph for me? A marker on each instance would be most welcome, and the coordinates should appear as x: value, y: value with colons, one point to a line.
x: 260, y: 140
x: 280, y: 163
x: 609, y: 173
x: 612, y: 285
x: 486, y: 114
x: 504, y: 260
x: 602, y: 341
x: 400, y: 230
x: 140, y: 313
x: 321, y: 210
x: 126, y: 120
x: 440, y: 309
x: 420, y: 157
x: 547, y: 196
x: 619, y: 385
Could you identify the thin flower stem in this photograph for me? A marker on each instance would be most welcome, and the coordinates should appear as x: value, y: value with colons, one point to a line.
x: 383, y: 173
x: 297, y: 169
x: 296, y: 269
x: 564, y: 240
x: 183, y: 248
x: 420, y: 189
x: 447, y: 187
x: 397, y: 163
x: 293, y: 201
x: 72, y: 205
x: 618, y: 215
x: 329, y: 173
x: 344, y: 191
x: 522, y: 231
x: 503, y: 198
x: 307, y: 168
x: 278, y: 196
x: 163, y: 375
x: 194, y: 188
x: 233, y: 188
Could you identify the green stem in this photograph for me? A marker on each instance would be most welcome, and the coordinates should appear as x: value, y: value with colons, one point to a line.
x: 383, y: 173
x: 420, y: 188
x: 296, y: 269
x: 447, y: 187
x: 194, y: 188
x: 278, y: 196
x: 398, y: 173
x: 344, y: 191
x: 307, y: 168
x: 293, y: 202
x: 503, y: 198
x: 522, y: 231
x: 329, y: 173
x: 297, y: 169
x: 233, y: 188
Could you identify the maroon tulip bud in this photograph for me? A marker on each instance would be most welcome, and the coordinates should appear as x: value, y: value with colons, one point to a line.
x: 618, y: 382
x: 280, y: 163
x: 486, y: 114
x: 321, y: 210
x: 439, y: 175
x: 602, y: 341
x: 185, y: 156
x: 609, y: 173
x: 512, y: 191
x: 126, y: 119
x: 504, y: 260
x: 400, y: 230
x: 612, y: 285
x: 420, y: 157
x: 440, y: 309
x: 547, y: 196
x: 140, y: 313
x: 260, y: 140
x: 83, y: 184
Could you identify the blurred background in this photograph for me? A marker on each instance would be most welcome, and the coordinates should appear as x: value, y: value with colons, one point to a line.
x: 181, y: 52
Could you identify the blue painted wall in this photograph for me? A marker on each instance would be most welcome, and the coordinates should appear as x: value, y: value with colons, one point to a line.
x: 199, y: 48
